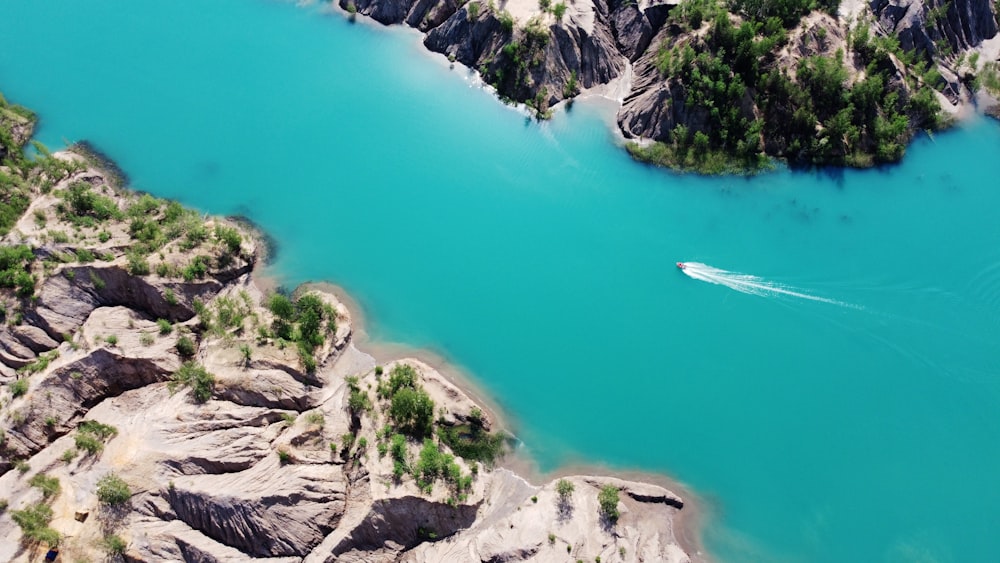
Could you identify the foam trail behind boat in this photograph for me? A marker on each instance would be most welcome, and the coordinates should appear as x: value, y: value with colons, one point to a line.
x: 753, y: 285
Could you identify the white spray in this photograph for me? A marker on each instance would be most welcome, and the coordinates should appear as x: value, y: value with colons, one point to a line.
x: 753, y: 285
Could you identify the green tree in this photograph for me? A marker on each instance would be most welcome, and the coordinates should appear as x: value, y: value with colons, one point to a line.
x: 608, y: 501
x: 559, y: 10
x: 281, y: 306
x: 412, y: 410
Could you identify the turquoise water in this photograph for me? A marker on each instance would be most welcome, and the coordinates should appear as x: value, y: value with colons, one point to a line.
x: 541, y: 259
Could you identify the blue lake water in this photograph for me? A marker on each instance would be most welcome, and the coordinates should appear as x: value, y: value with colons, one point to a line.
x: 541, y: 259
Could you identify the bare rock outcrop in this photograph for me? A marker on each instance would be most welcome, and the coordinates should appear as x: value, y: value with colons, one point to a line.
x: 929, y: 25
x: 540, y: 62
x: 266, y: 511
x: 80, y: 379
x: 631, y: 28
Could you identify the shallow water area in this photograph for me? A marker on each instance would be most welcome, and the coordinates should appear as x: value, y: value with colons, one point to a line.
x: 541, y: 259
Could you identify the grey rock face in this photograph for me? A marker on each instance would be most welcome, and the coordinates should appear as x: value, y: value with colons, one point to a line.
x: 656, y: 104
x: 34, y: 338
x: 406, y: 521
x: 63, y: 304
x: 62, y: 399
x: 631, y: 29
x: 265, y: 511
x: 921, y: 24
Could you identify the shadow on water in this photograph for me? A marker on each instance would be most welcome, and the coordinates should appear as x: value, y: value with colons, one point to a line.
x: 89, y: 150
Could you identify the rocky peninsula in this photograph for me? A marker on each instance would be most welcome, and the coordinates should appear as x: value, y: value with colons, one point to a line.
x: 718, y: 86
x: 157, y: 404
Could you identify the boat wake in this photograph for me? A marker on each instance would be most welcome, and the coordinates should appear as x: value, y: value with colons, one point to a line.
x: 752, y: 285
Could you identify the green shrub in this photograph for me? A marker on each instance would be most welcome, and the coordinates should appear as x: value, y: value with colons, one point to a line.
x: 347, y: 441
x: 412, y: 410
x: 84, y: 255
x: 185, y: 347
x: 401, y: 376
x: 281, y: 306
x: 144, y: 205
x: 137, y: 263
x: 506, y: 21
x: 68, y: 455
x: 88, y: 443
x: 102, y: 431
x: 22, y: 466
x: 112, y: 490
x: 472, y: 9
x: 196, y: 269
x: 358, y: 400
x: 165, y: 270
x: 114, y: 545
x: 14, y: 264
x: 48, y: 485
x: 85, y: 204
x: 472, y: 441
x: 96, y: 280
x: 91, y: 435
x: 41, y: 364
x: 608, y: 501
x: 229, y: 237
x: 112, y: 340
x: 398, y: 448
x: 315, y: 418
x: 559, y: 10
x: 196, y: 235
x: 307, y: 359
x: 34, y: 523
x: 284, y: 456
x: 430, y: 464
x: 170, y: 297
x: 195, y: 376
x: 565, y: 490
x: 165, y: 327
x: 398, y: 469
x: 19, y: 387
x: 309, y: 314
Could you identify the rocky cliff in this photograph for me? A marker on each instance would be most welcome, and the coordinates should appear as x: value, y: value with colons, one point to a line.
x: 922, y: 57
x: 159, y: 406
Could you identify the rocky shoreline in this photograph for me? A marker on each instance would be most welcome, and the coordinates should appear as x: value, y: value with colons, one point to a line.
x: 905, y: 66
x: 159, y: 405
